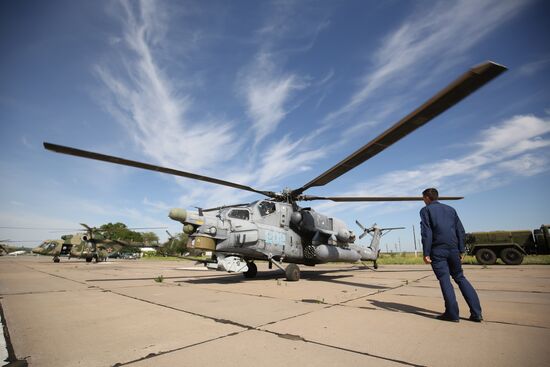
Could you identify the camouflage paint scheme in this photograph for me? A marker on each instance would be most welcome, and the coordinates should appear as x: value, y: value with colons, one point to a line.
x: 77, y: 246
x: 5, y: 249
x: 509, y: 246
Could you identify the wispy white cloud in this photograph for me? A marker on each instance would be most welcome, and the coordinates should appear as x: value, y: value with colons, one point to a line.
x: 155, y: 112
x: 534, y: 67
x: 156, y: 205
x: 432, y: 40
x: 286, y: 157
x: 26, y: 143
x: 268, y: 92
x: 517, y: 147
x: 268, y: 89
x: 526, y: 165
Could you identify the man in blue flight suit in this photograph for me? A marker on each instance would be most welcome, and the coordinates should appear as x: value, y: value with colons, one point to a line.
x: 443, y: 246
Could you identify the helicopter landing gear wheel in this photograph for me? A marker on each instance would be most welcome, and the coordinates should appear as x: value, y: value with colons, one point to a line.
x: 292, y: 273
x: 89, y: 259
x: 252, y: 270
x: 375, y: 264
x: 56, y: 259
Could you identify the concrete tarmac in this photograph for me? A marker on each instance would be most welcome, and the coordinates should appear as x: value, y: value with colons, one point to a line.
x: 115, y: 314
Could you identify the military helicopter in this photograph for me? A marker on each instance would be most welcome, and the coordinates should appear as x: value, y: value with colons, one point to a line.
x: 277, y: 229
x: 4, y: 249
x: 91, y: 245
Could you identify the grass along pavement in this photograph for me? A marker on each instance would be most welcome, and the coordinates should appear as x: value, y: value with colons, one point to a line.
x: 408, y: 258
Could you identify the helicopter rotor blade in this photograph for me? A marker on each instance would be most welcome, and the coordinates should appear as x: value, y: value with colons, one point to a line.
x: 360, y: 225
x: 126, y: 162
x: 225, y: 206
x: 363, y: 228
x: 443, y: 100
x: 372, y: 198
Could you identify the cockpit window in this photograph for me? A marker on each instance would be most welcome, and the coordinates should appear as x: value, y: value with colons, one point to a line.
x: 48, y: 245
x: 266, y: 208
x: 239, y: 214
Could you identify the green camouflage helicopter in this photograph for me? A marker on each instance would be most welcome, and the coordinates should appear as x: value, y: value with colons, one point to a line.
x: 276, y: 228
x: 5, y: 249
x: 94, y: 244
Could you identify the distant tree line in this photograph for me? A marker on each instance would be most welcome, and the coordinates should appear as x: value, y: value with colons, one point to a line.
x: 119, y: 231
x: 174, y: 246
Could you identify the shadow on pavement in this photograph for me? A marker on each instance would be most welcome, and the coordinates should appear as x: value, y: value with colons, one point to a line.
x: 400, y: 307
x: 317, y: 275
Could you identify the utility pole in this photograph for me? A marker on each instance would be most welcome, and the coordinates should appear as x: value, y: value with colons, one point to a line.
x: 414, y: 239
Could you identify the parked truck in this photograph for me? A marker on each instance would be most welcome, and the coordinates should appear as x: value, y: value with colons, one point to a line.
x: 509, y: 246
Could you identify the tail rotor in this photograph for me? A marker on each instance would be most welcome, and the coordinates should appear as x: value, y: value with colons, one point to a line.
x: 364, y: 229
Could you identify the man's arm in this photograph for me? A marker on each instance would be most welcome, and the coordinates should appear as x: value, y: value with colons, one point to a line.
x: 426, y: 232
x: 460, y: 235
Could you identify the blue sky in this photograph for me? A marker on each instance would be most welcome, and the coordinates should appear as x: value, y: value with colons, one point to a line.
x: 269, y: 94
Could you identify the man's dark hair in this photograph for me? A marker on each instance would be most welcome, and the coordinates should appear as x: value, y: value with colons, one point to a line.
x: 431, y: 193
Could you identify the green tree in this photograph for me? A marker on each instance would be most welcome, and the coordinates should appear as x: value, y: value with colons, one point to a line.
x: 180, y: 244
x: 119, y: 231
x: 150, y: 238
x: 176, y: 245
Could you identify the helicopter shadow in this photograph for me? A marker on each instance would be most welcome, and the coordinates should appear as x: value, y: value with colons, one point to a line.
x: 404, y: 308
x: 339, y: 279
x: 233, y: 278
x: 317, y: 275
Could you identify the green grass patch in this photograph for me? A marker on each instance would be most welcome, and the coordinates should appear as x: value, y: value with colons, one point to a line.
x: 400, y: 258
x: 408, y: 258
x: 536, y: 260
x: 159, y: 279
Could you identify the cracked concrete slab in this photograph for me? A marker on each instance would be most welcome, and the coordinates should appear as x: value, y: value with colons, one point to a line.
x: 98, y: 329
x: 421, y: 340
x: 252, y: 348
x: 244, y: 309
x: 338, y: 314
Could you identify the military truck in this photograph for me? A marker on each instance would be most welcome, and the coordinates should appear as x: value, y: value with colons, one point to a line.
x: 509, y: 246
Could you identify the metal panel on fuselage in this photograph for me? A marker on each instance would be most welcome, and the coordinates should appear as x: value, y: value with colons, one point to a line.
x: 266, y: 233
x: 275, y: 235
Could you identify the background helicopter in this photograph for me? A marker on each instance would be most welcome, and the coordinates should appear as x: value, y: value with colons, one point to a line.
x: 95, y: 244
x: 278, y: 229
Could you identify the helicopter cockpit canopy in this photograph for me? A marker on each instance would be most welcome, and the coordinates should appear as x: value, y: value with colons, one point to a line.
x: 47, y: 245
x: 239, y: 213
x: 266, y: 207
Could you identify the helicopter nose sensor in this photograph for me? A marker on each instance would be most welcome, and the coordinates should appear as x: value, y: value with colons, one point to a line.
x: 178, y: 214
